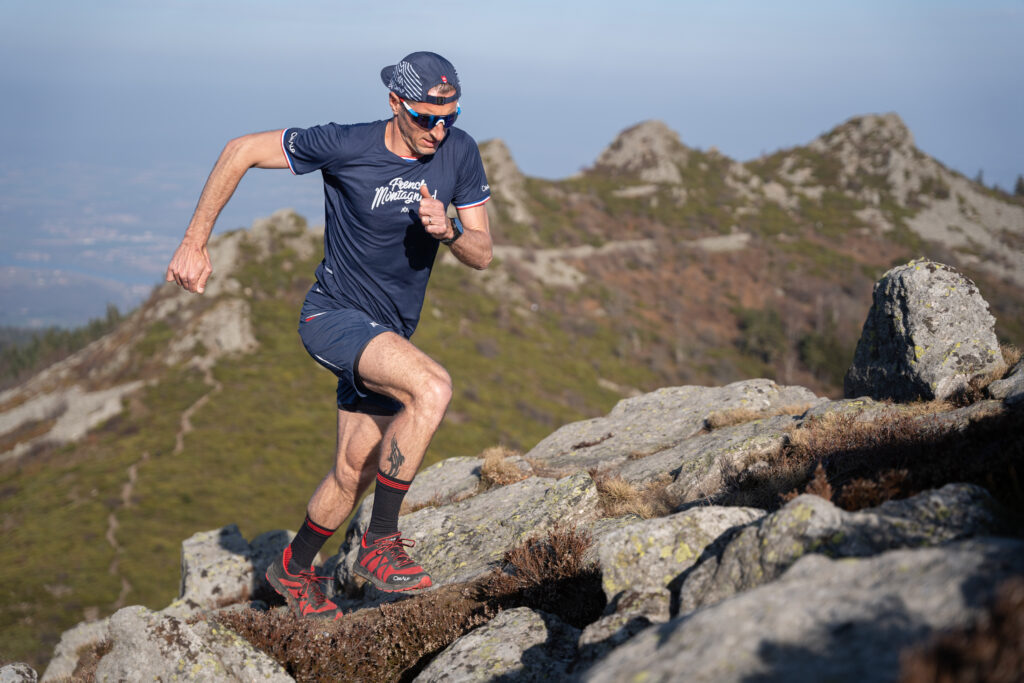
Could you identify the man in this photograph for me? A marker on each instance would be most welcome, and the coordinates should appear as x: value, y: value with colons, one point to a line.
x: 386, y: 187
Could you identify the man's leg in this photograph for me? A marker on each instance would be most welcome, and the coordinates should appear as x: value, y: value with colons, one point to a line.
x: 355, y: 464
x: 392, y: 366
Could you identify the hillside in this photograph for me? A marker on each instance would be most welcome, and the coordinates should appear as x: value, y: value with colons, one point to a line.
x: 661, y: 265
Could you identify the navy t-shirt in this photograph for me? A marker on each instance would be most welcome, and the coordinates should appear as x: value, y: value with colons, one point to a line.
x: 377, y: 255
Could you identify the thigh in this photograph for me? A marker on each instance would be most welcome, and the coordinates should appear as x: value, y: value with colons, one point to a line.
x: 392, y: 366
x: 336, y: 338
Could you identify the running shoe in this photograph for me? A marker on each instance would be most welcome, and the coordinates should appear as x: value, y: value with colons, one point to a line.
x: 301, y: 591
x: 387, y: 566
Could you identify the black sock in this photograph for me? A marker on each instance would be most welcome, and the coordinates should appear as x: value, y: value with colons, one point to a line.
x: 387, y: 501
x: 306, y: 545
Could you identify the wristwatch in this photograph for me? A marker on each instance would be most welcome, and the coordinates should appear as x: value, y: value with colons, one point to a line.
x: 456, y: 231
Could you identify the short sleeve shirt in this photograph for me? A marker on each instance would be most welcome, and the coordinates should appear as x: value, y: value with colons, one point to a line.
x: 377, y: 255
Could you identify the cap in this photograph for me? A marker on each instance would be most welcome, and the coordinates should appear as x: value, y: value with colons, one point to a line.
x: 417, y: 74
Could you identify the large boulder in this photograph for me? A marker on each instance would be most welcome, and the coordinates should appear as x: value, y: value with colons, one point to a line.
x: 519, y: 644
x: 807, y: 524
x: 928, y: 335
x: 220, y: 567
x: 464, y: 540
x: 649, y: 424
x: 152, y: 646
x: 824, y: 619
x: 697, y: 465
x: 646, y: 556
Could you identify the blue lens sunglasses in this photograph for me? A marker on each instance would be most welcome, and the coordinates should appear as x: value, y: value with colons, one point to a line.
x: 428, y: 121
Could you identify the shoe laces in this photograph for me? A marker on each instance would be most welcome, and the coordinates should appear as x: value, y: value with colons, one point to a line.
x: 396, y: 546
x: 312, y: 586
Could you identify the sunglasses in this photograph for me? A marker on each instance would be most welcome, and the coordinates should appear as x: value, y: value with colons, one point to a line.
x: 428, y: 121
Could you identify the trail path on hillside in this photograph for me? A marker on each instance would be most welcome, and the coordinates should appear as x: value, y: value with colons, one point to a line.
x: 128, y: 490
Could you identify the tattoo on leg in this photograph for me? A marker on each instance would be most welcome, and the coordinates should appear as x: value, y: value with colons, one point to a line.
x: 395, y: 460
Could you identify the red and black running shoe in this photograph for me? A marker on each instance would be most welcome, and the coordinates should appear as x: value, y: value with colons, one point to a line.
x: 387, y: 566
x: 301, y: 591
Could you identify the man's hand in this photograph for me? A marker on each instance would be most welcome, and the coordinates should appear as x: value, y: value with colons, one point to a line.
x: 191, y: 266
x: 432, y: 215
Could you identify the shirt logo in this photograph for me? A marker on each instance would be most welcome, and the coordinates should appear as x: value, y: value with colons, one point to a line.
x: 484, y: 188
x: 398, y: 190
x: 291, y: 141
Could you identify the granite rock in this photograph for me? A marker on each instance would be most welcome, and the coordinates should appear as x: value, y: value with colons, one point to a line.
x: 928, y: 334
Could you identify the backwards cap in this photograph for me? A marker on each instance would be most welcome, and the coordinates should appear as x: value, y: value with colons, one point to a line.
x: 417, y: 74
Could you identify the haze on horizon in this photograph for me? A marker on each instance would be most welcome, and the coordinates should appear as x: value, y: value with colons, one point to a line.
x: 115, y: 111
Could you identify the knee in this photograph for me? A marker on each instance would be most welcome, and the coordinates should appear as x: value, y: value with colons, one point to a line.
x: 434, y: 394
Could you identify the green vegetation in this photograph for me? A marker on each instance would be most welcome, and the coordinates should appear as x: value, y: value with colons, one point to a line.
x: 26, y: 352
x: 261, y: 444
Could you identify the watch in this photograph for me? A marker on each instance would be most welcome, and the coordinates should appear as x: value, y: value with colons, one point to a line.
x: 456, y: 231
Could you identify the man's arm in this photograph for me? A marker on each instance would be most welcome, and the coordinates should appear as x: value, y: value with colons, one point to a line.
x: 474, y: 247
x: 190, y: 267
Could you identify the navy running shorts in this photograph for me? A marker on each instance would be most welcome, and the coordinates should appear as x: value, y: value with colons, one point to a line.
x: 336, y: 338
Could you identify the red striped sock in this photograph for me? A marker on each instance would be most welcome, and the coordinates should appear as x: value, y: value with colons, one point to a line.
x: 387, y: 501
x: 307, y: 544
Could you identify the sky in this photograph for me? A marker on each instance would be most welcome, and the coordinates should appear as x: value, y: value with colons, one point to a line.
x: 113, y: 112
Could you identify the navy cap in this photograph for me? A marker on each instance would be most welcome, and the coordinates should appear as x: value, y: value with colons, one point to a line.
x: 417, y: 74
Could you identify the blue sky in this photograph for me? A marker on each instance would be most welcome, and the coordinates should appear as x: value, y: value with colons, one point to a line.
x: 114, y: 111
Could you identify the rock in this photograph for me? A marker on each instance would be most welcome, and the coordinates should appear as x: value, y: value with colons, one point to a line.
x: 809, y: 524
x: 18, y: 672
x: 960, y: 419
x: 824, y: 619
x: 928, y: 335
x: 608, y: 632
x: 65, y: 655
x: 264, y: 549
x: 646, y: 556
x: 216, y: 568
x: 519, y: 644
x: 448, y: 481
x: 1011, y: 389
x: 223, y: 330
x: 649, y: 150
x: 697, y: 465
x: 648, y: 424
x: 152, y: 646
x: 461, y: 541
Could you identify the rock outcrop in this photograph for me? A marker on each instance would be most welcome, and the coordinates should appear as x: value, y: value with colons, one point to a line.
x: 153, y: 646
x: 928, y: 335
x: 520, y: 644
x: 824, y: 619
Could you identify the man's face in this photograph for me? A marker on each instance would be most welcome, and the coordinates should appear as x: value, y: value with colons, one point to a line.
x: 419, y: 140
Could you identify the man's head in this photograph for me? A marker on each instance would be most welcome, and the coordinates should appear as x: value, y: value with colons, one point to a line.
x: 424, y: 99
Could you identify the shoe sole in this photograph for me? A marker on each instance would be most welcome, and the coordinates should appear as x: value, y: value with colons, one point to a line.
x: 387, y: 587
x: 293, y: 603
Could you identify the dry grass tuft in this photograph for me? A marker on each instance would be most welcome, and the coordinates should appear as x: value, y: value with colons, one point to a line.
x: 736, y: 416
x: 1011, y: 355
x: 896, y: 455
x: 395, y: 641
x: 618, y: 497
x: 89, y: 658
x: 992, y: 649
x: 498, y: 470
